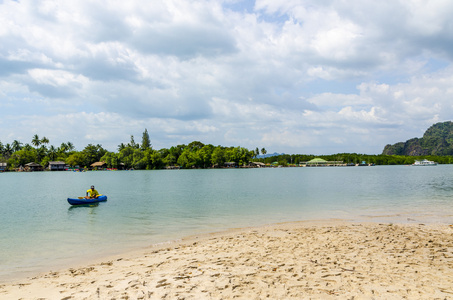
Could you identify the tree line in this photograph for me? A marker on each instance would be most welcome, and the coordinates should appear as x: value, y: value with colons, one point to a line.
x: 131, y: 155
x: 194, y: 155
x: 354, y: 158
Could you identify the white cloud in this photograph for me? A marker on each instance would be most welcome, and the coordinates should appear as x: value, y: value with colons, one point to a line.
x: 292, y: 76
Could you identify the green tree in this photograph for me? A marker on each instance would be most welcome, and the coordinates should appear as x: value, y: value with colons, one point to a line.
x: 146, y: 143
x: 184, y: 160
x: 133, y: 144
x: 16, y: 146
x: 205, y: 155
x: 263, y: 151
x: 63, y: 148
x: 7, y: 150
x: 121, y: 147
x: 125, y: 156
x: 138, y: 159
x: 36, y: 141
x: 70, y: 146
x: 155, y: 159
x: 92, y: 154
x: 22, y: 157
x: 41, y: 153
x: 170, y: 156
x: 44, y: 141
x: 195, y: 145
x: 111, y: 159
x: 76, y: 159
x: 218, y: 156
x: 52, y: 153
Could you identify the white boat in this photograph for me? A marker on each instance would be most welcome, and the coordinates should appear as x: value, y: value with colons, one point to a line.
x: 424, y: 162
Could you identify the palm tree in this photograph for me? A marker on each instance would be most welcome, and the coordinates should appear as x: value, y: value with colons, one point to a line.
x: 41, y: 152
x: 36, y: 141
x: 7, y: 150
x: 27, y: 147
x: 121, y: 147
x: 16, y: 145
x: 63, y: 148
x: 52, y: 152
x: 70, y: 146
x: 44, y: 141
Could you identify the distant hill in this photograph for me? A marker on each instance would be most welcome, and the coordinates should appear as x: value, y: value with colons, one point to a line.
x: 437, y: 140
x: 269, y: 155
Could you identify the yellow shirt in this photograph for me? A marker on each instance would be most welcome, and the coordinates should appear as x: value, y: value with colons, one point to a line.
x: 93, y: 193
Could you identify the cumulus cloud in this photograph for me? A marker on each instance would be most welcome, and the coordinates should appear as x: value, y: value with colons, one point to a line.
x: 295, y: 76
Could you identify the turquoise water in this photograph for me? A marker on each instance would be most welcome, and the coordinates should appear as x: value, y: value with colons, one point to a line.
x: 40, y: 231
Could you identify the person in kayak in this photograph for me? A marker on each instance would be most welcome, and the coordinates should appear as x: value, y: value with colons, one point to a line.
x: 92, y: 193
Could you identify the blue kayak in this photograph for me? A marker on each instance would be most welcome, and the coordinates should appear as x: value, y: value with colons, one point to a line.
x: 77, y: 201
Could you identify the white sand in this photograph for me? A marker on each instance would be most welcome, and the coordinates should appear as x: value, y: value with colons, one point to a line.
x: 324, y: 260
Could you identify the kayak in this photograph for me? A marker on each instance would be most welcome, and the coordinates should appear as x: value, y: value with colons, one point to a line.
x: 81, y: 200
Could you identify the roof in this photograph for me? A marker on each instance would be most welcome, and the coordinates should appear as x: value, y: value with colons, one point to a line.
x: 57, y: 163
x: 98, y: 164
x: 33, y: 164
x: 317, y: 161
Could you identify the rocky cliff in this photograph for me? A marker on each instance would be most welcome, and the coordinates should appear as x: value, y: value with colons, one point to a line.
x: 437, y: 140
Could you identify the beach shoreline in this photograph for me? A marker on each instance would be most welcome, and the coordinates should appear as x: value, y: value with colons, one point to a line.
x: 307, y: 259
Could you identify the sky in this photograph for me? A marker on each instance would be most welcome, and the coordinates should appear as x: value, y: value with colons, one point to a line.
x: 290, y: 76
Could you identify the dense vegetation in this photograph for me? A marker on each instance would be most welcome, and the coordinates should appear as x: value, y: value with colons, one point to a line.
x: 354, y: 158
x: 437, y: 140
x: 193, y: 155
x: 131, y: 155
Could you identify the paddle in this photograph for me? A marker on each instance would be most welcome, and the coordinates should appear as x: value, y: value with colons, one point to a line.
x: 84, y: 197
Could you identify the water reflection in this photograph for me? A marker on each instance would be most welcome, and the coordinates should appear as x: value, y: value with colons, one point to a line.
x: 81, y: 209
x: 72, y: 207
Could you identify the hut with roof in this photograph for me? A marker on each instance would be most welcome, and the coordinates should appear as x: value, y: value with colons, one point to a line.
x: 57, y: 166
x: 257, y: 164
x: 319, y: 162
x: 32, y: 167
x: 100, y: 165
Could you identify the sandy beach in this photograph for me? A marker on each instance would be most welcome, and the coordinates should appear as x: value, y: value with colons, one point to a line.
x: 315, y: 260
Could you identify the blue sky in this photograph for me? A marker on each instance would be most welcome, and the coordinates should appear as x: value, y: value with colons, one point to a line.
x: 292, y: 76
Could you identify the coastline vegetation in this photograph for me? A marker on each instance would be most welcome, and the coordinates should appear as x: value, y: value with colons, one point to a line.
x: 194, y: 155
x: 355, y: 158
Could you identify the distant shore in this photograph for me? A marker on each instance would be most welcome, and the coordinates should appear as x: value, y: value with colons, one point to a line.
x: 319, y: 260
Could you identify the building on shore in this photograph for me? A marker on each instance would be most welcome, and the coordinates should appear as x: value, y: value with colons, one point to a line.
x: 57, y: 166
x: 32, y: 167
x: 100, y: 165
x: 319, y: 162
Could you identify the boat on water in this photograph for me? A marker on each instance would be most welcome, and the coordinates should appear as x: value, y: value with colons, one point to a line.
x: 82, y: 200
x: 424, y: 162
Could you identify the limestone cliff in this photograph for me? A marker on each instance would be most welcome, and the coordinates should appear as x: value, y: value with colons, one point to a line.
x: 437, y: 140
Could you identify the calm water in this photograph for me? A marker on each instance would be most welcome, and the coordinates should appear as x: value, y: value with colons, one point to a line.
x: 40, y: 231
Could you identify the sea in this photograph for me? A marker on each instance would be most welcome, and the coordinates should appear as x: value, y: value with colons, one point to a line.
x: 40, y: 231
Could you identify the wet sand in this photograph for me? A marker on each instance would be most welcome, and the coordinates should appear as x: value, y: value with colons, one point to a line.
x: 303, y: 260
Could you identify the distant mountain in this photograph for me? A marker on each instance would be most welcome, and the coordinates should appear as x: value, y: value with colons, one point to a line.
x: 269, y: 155
x: 437, y: 140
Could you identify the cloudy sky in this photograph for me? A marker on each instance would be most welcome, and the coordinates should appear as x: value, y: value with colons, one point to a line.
x: 293, y: 76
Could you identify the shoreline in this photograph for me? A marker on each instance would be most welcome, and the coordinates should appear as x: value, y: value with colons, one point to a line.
x: 317, y: 259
